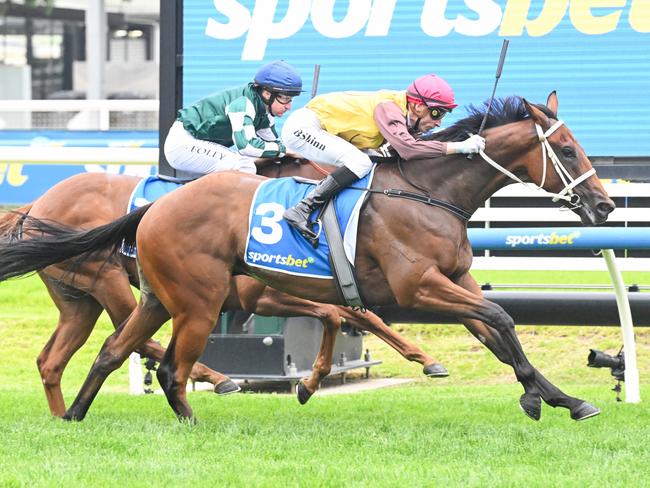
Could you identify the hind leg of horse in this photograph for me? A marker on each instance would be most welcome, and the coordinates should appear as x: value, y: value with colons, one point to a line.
x: 370, y: 322
x: 143, y: 322
x: 194, y: 299
x: 77, y: 317
x: 190, y: 335
x: 536, y: 386
x: 114, y: 292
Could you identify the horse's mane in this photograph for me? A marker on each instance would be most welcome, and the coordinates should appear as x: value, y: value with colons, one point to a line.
x: 503, y: 111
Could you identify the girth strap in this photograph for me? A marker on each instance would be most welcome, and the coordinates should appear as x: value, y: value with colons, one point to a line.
x: 341, y: 268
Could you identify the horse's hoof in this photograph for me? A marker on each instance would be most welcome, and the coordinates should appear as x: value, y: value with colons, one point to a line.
x: 226, y: 387
x: 584, y: 411
x: 303, y: 393
x: 435, y: 370
x: 531, y: 405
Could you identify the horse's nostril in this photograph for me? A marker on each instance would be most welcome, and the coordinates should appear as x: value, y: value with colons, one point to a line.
x: 606, y: 207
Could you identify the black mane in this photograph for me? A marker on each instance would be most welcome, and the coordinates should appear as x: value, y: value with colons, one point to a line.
x: 503, y: 111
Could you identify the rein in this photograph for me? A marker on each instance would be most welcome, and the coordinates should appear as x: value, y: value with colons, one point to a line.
x: 318, y: 168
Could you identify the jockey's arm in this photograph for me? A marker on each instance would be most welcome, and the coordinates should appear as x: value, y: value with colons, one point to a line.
x: 392, y: 124
x: 241, y: 113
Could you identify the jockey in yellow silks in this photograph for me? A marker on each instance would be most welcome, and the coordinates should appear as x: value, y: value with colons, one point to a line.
x: 339, y: 128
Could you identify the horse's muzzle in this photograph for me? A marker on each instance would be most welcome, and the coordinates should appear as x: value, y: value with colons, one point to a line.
x: 595, y: 210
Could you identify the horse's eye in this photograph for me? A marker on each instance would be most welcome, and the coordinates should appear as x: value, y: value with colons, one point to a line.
x: 569, y: 152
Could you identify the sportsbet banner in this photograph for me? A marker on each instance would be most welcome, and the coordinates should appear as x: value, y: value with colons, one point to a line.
x: 595, y: 53
x: 22, y: 182
x: 571, y: 238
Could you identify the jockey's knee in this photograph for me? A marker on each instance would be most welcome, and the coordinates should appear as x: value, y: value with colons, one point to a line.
x: 357, y: 162
x: 246, y: 165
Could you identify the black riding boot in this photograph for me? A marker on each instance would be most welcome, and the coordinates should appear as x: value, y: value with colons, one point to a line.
x: 298, y: 216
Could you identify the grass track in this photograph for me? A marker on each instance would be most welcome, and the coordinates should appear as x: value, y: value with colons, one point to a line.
x: 466, y: 430
x: 409, y: 436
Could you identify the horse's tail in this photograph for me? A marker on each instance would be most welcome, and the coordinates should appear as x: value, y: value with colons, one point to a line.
x: 46, y: 243
x: 9, y: 221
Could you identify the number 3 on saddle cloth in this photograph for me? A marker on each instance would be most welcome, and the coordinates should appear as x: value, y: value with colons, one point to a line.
x: 273, y: 244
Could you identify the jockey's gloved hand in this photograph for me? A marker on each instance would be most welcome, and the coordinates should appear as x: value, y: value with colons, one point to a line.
x: 471, y: 145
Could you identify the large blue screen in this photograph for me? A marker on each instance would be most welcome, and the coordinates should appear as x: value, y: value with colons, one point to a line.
x: 595, y: 53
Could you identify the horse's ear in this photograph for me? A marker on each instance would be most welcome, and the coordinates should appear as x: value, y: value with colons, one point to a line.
x: 536, y: 114
x: 551, y: 102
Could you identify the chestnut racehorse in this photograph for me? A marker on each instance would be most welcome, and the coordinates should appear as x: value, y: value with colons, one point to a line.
x: 88, y: 200
x: 408, y: 252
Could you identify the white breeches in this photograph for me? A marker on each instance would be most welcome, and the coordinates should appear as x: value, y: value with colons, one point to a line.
x: 303, y: 134
x: 186, y: 153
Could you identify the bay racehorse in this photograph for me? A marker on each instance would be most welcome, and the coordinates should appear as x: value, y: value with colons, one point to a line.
x: 88, y: 200
x: 408, y: 252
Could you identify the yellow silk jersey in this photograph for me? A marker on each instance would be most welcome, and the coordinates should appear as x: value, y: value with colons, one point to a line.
x: 350, y: 115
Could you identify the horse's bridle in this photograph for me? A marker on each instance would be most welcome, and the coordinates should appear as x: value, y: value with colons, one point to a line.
x: 569, y: 182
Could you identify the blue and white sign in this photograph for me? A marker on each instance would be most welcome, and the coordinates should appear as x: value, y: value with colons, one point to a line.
x: 22, y: 182
x: 569, y: 238
x: 594, y: 53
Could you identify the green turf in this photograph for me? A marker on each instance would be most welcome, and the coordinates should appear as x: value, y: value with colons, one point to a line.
x: 465, y: 430
x: 408, y: 436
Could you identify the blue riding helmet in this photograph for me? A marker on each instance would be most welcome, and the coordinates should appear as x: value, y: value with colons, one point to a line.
x: 279, y: 77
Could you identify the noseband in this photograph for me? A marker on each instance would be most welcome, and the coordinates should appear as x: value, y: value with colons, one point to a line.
x: 547, y: 151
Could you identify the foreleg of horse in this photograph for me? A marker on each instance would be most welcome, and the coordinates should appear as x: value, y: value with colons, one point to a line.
x: 145, y: 320
x: 323, y: 362
x: 255, y: 297
x: 437, y: 292
x: 370, y: 322
x: 77, y: 317
x: 534, y: 387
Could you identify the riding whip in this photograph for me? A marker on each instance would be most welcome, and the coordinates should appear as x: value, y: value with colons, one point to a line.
x: 502, y: 58
x: 314, y: 83
x: 314, y: 90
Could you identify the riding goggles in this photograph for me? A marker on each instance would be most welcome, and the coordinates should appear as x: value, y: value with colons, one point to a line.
x: 437, y: 112
x: 283, y: 99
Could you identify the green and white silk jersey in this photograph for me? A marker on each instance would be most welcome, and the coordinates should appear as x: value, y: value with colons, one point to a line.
x: 236, y: 116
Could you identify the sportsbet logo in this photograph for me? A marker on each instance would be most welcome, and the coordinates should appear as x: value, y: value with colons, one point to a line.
x: 266, y: 22
x: 262, y: 257
x: 552, y: 239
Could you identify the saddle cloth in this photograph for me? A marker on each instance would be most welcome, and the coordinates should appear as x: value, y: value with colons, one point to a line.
x: 274, y: 245
x: 146, y: 191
